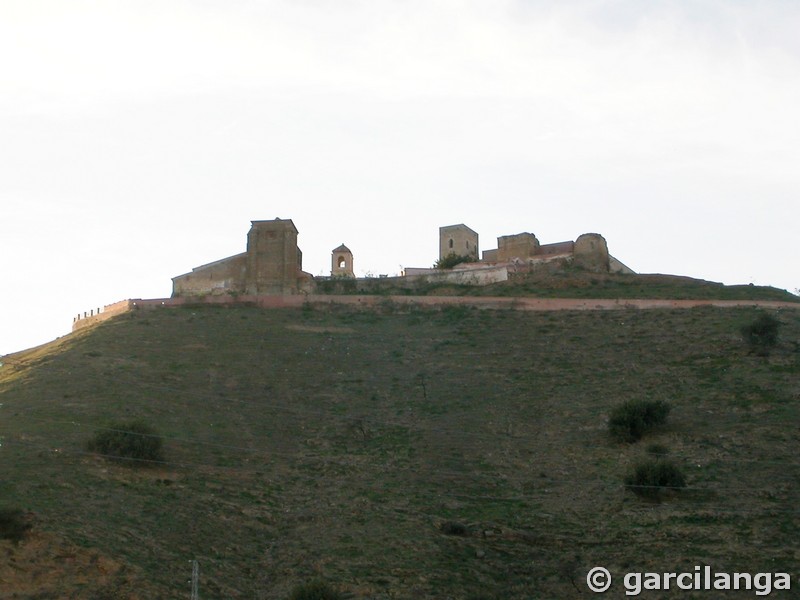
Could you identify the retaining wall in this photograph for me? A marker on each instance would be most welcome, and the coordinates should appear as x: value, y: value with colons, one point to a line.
x: 528, y: 304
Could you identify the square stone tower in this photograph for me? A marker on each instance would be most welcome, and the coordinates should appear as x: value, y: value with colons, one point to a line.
x: 274, y: 261
x: 459, y: 240
x: 520, y: 245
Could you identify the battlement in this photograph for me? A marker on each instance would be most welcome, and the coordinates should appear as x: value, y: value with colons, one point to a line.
x: 94, y: 316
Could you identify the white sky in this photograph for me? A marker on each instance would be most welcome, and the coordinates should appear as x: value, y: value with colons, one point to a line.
x: 139, y: 138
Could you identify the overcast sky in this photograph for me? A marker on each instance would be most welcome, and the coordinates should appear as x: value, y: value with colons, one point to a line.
x: 138, y: 139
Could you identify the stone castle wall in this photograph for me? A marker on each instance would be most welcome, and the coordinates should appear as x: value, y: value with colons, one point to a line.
x: 93, y: 317
x: 272, y: 264
x: 220, y: 277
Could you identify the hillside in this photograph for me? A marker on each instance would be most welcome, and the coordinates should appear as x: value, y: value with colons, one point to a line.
x: 335, y: 444
x: 565, y: 281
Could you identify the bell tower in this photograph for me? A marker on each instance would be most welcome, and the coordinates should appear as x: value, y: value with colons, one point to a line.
x: 342, y: 262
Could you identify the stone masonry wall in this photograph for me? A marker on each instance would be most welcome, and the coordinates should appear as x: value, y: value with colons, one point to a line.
x: 591, y: 252
x: 459, y: 240
x: 521, y: 245
x: 220, y: 277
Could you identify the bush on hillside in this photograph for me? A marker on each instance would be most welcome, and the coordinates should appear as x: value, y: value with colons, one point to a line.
x: 655, y: 478
x: 657, y: 450
x: 13, y: 525
x: 135, y: 442
x: 454, y: 528
x: 451, y: 260
x: 315, y: 590
x: 762, y: 334
x: 629, y: 421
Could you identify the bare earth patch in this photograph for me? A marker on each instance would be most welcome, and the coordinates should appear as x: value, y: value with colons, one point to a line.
x: 46, y: 566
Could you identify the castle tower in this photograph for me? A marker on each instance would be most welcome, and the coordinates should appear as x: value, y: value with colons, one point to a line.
x: 591, y: 252
x: 274, y: 261
x: 520, y: 245
x: 342, y: 262
x: 459, y: 240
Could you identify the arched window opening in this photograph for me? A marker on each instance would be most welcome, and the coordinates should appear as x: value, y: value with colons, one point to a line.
x: 450, y: 243
x: 342, y: 262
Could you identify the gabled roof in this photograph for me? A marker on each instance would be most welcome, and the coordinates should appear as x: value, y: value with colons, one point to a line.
x: 341, y: 248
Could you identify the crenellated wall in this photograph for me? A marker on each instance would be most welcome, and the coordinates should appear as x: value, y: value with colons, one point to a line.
x: 92, y: 317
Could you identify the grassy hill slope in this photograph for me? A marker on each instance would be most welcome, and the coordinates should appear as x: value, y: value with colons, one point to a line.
x: 560, y: 281
x: 308, y: 444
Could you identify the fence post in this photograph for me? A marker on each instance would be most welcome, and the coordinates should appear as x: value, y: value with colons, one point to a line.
x: 195, y: 580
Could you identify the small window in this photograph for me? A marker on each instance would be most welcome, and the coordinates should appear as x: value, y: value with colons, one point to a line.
x: 342, y: 262
x: 450, y: 243
x: 467, y: 244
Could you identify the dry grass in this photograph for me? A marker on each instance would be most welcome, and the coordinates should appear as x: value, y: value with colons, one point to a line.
x: 332, y: 445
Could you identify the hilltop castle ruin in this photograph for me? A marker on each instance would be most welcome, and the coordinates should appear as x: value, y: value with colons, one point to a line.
x: 273, y: 264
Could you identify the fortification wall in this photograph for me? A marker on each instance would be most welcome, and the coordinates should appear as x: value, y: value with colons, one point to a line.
x: 489, y: 256
x: 219, y: 277
x: 526, y: 304
x: 296, y: 301
x: 557, y: 248
x: 617, y: 266
x: 469, y: 275
x: 414, y: 280
x: 92, y: 317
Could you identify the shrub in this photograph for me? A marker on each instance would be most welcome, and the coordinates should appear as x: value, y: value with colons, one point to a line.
x: 133, y: 441
x: 654, y: 478
x: 13, y: 525
x: 762, y: 334
x: 629, y: 421
x: 316, y: 590
x: 453, y: 528
x: 657, y: 449
x: 451, y: 260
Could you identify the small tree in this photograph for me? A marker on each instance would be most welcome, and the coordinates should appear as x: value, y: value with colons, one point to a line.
x: 316, y: 590
x: 451, y: 260
x: 454, y: 528
x: 13, y: 524
x: 762, y: 334
x: 629, y: 421
x: 655, y: 478
x: 133, y: 441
